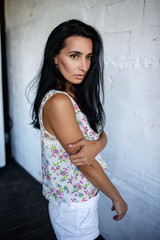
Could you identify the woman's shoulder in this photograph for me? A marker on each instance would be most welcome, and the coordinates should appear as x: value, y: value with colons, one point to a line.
x: 56, y: 96
x: 58, y: 101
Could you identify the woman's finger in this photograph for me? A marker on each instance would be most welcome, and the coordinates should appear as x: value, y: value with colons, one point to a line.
x: 75, y: 156
x: 80, y: 161
x: 76, y: 144
x: 80, y: 164
x: 113, y: 208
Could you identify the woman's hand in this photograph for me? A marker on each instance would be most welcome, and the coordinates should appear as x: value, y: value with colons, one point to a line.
x: 95, y: 174
x: 86, y: 154
x: 120, y: 206
x: 88, y: 150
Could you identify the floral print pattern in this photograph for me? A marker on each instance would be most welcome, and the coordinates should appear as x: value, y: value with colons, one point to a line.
x: 62, y: 181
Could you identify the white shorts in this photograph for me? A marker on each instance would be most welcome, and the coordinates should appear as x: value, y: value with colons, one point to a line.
x: 75, y: 221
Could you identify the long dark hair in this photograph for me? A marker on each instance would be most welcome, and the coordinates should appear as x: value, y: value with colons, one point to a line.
x: 90, y: 93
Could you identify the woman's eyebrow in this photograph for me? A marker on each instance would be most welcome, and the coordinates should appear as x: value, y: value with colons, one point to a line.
x: 77, y: 52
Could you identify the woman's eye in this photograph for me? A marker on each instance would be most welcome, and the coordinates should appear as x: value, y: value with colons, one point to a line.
x: 89, y: 57
x: 74, y: 56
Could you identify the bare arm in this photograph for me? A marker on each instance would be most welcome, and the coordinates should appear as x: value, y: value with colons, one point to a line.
x: 88, y: 150
x: 59, y: 119
x: 99, y: 179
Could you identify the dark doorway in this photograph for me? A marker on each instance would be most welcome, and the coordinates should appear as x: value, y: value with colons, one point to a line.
x: 7, y: 120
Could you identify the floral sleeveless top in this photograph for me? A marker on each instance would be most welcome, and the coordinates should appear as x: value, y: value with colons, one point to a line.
x: 62, y: 181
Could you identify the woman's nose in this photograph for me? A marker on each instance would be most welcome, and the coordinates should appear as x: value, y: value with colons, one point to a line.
x: 83, y: 65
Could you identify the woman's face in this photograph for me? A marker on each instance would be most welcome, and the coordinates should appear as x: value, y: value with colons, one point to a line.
x: 74, y: 59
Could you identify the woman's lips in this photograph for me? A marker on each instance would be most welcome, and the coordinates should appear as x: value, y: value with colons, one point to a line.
x: 79, y: 76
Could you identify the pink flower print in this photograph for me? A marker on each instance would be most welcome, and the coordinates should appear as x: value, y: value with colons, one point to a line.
x: 86, y: 191
x: 78, y: 186
x: 83, y: 200
x: 86, y: 129
x: 58, y: 192
x: 83, y: 119
x: 82, y: 176
x: 75, y: 106
x: 53, y: 168
x: 65, y: 169
x: 54, y: 152
x: 48, y: 177
x: 64, y: 156
x: 69, y: 180
x: 93, y: 192
x: 63, y: 173
x: 61, y: 157
x: 73, y: 199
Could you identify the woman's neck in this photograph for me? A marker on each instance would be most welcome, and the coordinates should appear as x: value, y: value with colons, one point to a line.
x: 70, y: 90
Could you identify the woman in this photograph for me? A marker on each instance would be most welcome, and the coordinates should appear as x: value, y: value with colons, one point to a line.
x: 68, y: 111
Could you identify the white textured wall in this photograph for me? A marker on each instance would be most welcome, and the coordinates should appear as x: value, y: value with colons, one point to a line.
x: 131, y: 34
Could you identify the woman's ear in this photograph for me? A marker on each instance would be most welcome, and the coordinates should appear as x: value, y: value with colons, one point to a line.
x: 55, y: 59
